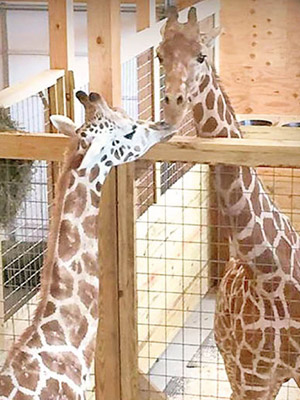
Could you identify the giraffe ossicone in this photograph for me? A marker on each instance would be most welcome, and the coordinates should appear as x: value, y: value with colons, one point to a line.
x: 52, y: 357
x: 257, y: 321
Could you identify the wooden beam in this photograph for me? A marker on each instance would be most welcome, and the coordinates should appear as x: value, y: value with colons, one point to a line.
x: 105, y: 77
x: 248, y: 151
x: 142, y: 14
x: 37, y: 146
x: 104, y: 48
x: 61, y: 34
x: 127, y: 282
x: 30, y: 87
x: 148, y: 391
x: 61, y: 44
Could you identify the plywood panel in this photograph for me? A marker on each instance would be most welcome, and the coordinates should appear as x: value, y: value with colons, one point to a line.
x: 260, y: 55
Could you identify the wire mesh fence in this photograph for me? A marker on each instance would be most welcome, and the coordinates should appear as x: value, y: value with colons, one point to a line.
x: 177, y: 282
x: 26, y: 192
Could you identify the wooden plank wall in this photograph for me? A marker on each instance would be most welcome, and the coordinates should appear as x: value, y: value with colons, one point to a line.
x: 260, y: 55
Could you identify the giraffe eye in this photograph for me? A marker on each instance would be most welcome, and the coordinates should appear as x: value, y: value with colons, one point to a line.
x: 201, y: 57
x: 129, y: 135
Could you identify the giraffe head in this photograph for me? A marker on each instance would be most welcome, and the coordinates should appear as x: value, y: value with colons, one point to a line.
x: 182, y: 52
x: 109, y: 137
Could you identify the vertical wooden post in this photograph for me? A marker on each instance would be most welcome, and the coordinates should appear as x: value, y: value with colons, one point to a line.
x: 142, y: 14
x: 127, y: 283
x: 104, y: 48
x: 116, y: 351
x: 61, y: 38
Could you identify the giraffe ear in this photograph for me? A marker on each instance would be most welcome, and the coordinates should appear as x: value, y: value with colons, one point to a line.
x: 63, y: 124
x: 209, y: 39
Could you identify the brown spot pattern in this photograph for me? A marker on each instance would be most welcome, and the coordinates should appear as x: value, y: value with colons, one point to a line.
x: 210, y: 125
x: 221, y: 107
x: 77, y: 160
x: 62, y: 283
x: 89, y: 352
x: 263, y: 367
x: 90, y: 264
x: 270, y: 229
x: 67, y: 392
x: 249, y: 242
x: 51, y: 389
x: 34, y: 341
x: 268, y: 350
x: 279, y: 307
x: 68, y: 241
x: 288, y: 353
x: 235, y: 195
x: 76, y: 267
x: 87, y: 293
x: 21, y: 396
x: 76, y: 201
x: 268, y: 310
x: 292, y: 297
x: 265, y: 263
x: 210, y: 100
x: 272, y: 284
x: 64, y: 363
x: 247, y: 177
x: 246, y: 358
x: 251, y: 312
x: 253, y: 337
x: 53, y: 333
x: 228, y: 117
x: 255, y: 199
x: 229, y: 174
x: 283, y: 252
x: 76, y: 323
x: 223, y: 133
x: 50, y: 309
x: 94, y: 173
x: 204, y: 83
x: 95, y: 199
x: 242, y: 220
x: 89, y: 226
x: 198, y: 112
x: 6, y: 385
x: 26, y: 369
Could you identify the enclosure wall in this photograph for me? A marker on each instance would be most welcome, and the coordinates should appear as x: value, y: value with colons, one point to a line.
x: 260, y: 55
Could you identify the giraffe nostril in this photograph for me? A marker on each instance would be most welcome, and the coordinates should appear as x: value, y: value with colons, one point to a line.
x: 179, y: 100
x: 167, y: 100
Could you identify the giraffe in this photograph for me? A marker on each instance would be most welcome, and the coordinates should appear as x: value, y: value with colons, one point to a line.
x: 257, y: 320
x: 52, y: 358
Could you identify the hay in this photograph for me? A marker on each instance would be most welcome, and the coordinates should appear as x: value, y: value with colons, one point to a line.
x: 15, y: 177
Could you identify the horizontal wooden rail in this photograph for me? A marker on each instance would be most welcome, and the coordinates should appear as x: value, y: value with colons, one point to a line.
x: 33, y: 146
x: 250, y: 151
x: 30, y: 87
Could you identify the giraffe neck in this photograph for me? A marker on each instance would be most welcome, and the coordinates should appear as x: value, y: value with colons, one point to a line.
x: 61, y: 339
x: 213, y: 114
x: 260, y: 235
